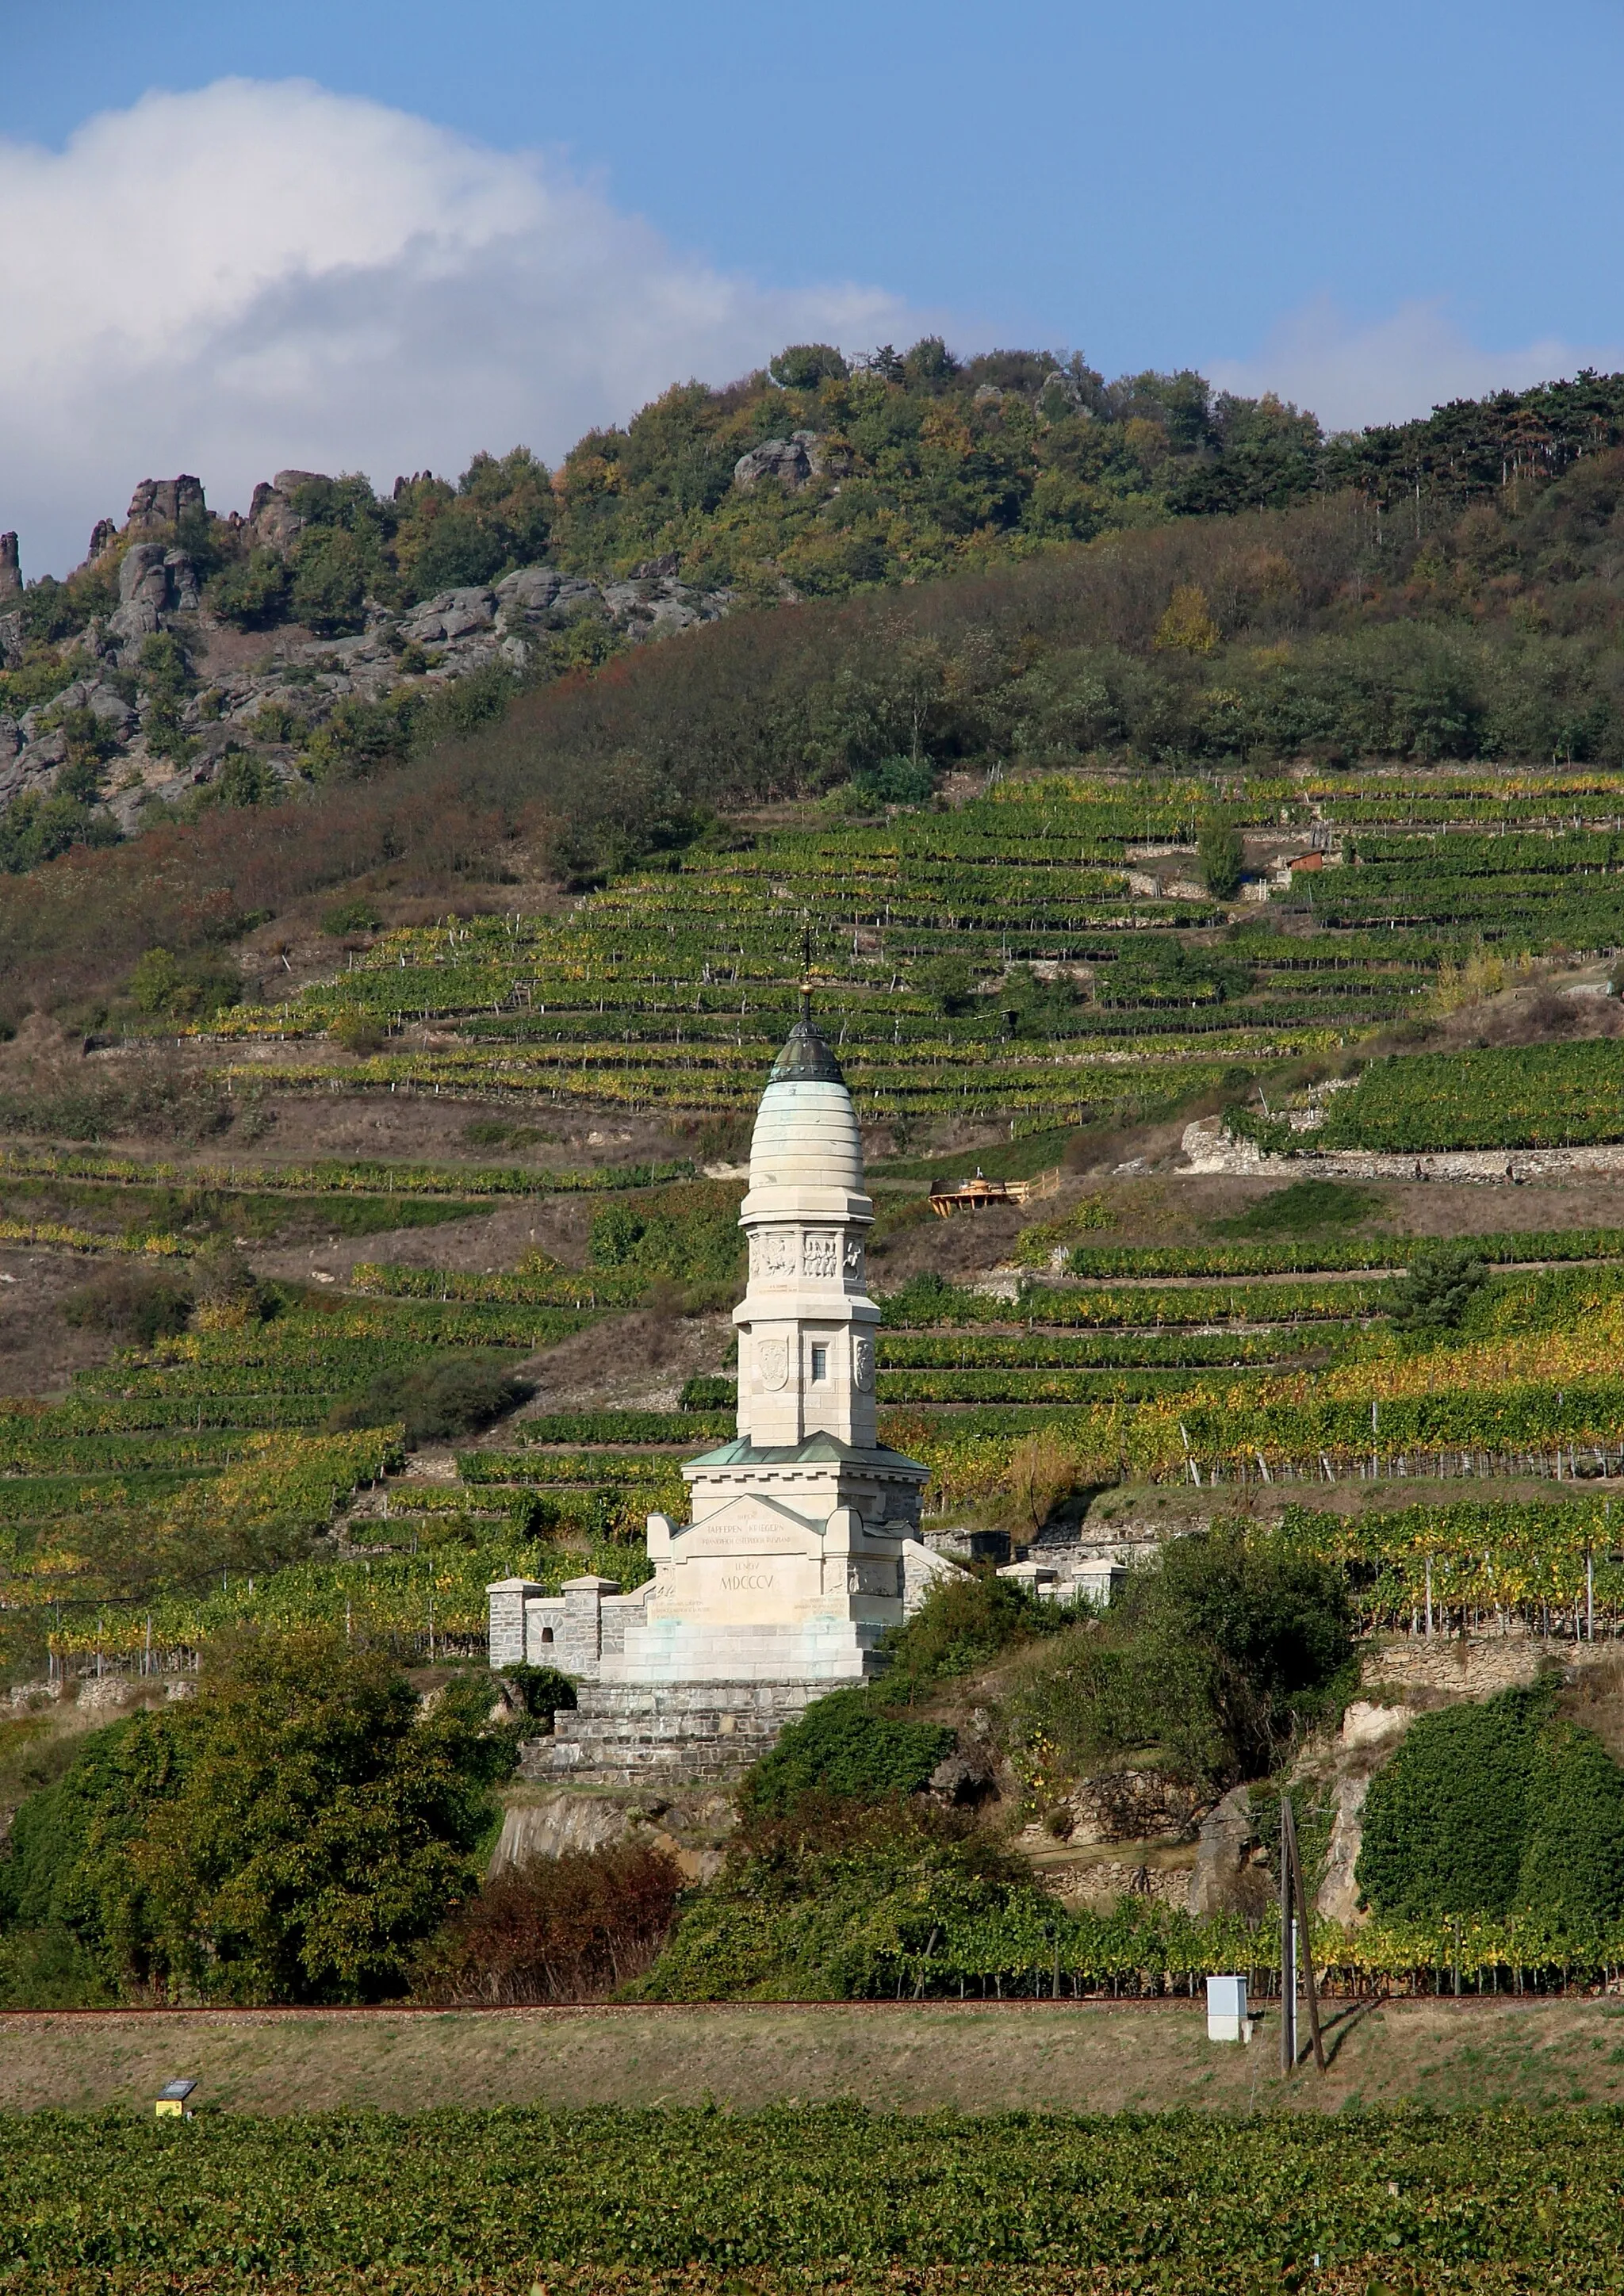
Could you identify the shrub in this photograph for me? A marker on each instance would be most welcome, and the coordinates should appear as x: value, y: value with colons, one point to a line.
x: 135, y: 1303
x: 962, y: 1625
x: 557, y: 1929
x: 223, y: 1278
x: 1218, y: 1655
x: 252, y: 591
x: 357, y: 1032
x: 165, y: 987
x: 1573, y: 1848
x: 1437, y: 1288
x: 357, y: 915
x: 1496, y: 1808
x: 895, y: 781
x: 543, y: 1690
x: 847, y: 1746
x: 820, y: 1905
x: 438, y: 1400
x: 291, y: 1833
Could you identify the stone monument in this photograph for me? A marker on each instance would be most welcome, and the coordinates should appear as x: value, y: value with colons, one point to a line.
x: 803, y: 1544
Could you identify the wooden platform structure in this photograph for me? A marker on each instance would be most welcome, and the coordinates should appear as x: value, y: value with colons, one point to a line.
x: 974, y: 1195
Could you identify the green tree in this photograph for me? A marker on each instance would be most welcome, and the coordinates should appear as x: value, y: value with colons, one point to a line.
x: 949, y: 983
x: 333, y: 571
x: 251, y: 592
x: 165, y: 677
x: 1220, y: 856
x: 802, y: 366
x: 292, y: 1833
x: 168, y: 988
x: 1437, y: 1288
x: 1218, y: 1655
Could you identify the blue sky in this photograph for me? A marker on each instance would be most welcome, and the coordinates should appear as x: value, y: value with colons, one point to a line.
x: 1366, y: 208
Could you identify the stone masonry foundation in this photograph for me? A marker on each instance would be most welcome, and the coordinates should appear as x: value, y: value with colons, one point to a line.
x: 673, y: 1734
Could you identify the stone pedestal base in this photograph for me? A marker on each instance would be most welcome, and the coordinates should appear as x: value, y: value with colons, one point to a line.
x: 642, y: 1733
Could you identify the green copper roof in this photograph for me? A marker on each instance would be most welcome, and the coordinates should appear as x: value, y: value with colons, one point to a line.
x: 805, y: 1057
x: 815, y: 1450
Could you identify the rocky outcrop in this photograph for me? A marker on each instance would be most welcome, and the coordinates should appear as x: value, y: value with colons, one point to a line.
x: 153, y: 581
x: 272, y: 703
x: 274, y: 522
x: 966, y: 1777
x: 1338, y: 1896
x: 164, y: 502
x: 794, y: 462
x: 691, y: 1828
x: 1231, y: 1874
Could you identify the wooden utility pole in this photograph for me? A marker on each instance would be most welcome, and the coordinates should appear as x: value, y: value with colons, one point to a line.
x: 1294, y: 1926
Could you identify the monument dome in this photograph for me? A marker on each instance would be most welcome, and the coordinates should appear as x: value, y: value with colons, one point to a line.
x: 806, y: 1134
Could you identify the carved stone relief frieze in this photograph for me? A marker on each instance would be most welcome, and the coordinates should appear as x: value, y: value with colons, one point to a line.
x: 819, y: 1258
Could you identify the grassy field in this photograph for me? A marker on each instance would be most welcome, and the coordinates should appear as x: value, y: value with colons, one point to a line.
x: 924, y: 2058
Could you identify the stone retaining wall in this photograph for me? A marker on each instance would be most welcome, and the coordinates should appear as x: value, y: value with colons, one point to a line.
x: 631, y: 1734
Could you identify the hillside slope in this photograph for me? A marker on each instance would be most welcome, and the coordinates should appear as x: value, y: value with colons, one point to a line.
x: 1326, y: 630
x: 195, y: 660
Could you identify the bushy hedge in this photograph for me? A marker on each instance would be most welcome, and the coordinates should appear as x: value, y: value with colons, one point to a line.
x: 1496, y: 1808
x: 849, y: 1746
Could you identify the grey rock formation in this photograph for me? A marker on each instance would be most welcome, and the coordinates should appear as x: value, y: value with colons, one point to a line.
x: 1135, y: 1806
x: 964, y: 1779
x: 152, y: 581
x: 271, y: 515
x: 452, y: 614
x: 10, y: 568
x: 690, y: 1828
x: 541, y: 590
x: 104, y: 702
x: 1337, y: 1898
x: 184, y: 597
x: 1225, y: 1880
x: 164, y: 501
x: 793, y: 461
x: 270, y: 703
x: 144, y: 592
x: 140, y: 574
x: 31, y: 768
x: 103, y: 534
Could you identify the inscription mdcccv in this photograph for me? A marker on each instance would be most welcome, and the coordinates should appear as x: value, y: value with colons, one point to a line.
x: 748, y: 1582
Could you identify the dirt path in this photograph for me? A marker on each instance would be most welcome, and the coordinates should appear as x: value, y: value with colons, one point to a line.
x: 1035, y: 2056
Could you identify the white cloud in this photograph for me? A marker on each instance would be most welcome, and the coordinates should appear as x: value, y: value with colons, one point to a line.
x: 258, y: 275
x: 1395, y: 368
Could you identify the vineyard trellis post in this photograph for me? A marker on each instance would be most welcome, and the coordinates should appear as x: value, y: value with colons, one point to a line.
x: 1295, y: 1929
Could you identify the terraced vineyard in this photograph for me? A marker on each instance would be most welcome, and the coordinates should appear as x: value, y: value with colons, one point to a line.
x: 1040, y: 956
x: 673, y: 989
